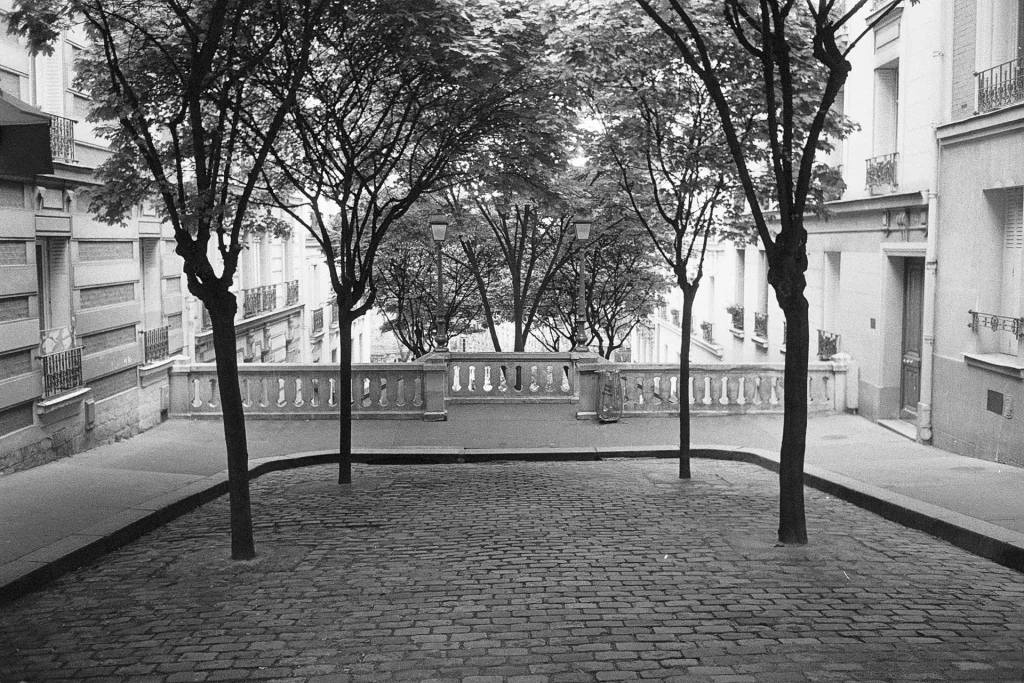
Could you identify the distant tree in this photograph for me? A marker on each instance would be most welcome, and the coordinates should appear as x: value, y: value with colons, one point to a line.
x: 529, y: 240
x: 406, y: 284
x: 171, y: 85
x: 399, y: 91
x: 799, y: 52
x: 623, y: 281
x: 659, y: 139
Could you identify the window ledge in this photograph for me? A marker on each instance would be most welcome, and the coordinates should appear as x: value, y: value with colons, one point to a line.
x: 711, y: 347
x: 1000, y: 363
x: 738, y: 333
x: 62, y: 405
x: 760, y: 342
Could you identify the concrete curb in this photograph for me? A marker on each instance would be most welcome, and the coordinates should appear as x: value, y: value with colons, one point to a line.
x: 33, y: 571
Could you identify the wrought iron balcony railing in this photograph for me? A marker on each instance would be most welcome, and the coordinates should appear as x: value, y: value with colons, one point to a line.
x: 882, y: 170
x: 318, y: 320
x: 155, y: 344
x: 292, y: 293
x: 62, y: 371
x: 259, y: 300
x: 828, y: 345
x: 207, y: 323
x: 1000, y: 85
x: 62, y: 138
x: 708, y: 332
x: 998, y: 323
x: 761, y: 325
x: 335, y: 315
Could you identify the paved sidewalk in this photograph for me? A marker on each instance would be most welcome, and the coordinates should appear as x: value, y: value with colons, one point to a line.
x: 524, y: 572
x: 61, y: 515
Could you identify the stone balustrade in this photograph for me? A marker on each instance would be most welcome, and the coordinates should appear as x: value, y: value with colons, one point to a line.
x: 511, y: 377
x: 303, y: 390
x: 714, y: 388
x: 428, y: 388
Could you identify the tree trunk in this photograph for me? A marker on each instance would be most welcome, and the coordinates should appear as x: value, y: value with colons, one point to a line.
x: 786, y: 275
x: 222, y: 318
x: 345, y: 398
x: 689, y: 293
x: 792, y: 520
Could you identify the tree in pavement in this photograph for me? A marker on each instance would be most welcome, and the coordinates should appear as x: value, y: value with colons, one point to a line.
x: 170, y: 83
x: 397, y: 93
x: 659, y: 138
x: 799, y: 52
x: 406, y: 291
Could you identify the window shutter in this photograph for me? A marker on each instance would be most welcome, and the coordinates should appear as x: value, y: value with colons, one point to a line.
x: 1013, y: 223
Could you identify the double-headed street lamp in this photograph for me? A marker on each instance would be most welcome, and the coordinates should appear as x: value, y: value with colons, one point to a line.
x: 438, y: 230
x: 582, y: 235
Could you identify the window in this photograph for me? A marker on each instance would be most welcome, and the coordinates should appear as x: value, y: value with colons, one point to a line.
x: 999, y: 37
x: 887, y: 99
x: 1013, y: 248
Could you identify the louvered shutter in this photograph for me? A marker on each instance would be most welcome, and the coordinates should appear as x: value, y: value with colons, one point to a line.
x: 1013, y: 250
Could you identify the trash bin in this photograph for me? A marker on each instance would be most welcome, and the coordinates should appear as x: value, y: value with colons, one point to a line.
x: 609, y: 400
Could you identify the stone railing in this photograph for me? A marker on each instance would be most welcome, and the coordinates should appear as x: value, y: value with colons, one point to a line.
x: 428, y: 388
x: 653, y: 390
x: 304, y: 390
x: 516, y: 377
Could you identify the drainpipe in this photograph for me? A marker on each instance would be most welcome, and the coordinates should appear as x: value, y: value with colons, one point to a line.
x: 924, y: 406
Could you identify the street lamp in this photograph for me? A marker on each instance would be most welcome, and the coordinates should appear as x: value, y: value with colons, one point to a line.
x: 438, y: 229
x: 582, y: 235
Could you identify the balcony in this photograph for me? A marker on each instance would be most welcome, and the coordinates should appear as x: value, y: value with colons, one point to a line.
x: 155, y: 344
x: 761, y: 325
x: 291, y: 293
x: 62, y: 138
x: 259, y: 300
x: 1000, y: 86
x: 62, y: 371
x: 707, y: 331
x: 736, y: 311
x: 318, y: 320
x: 881, y: 173
x: 828, y: 344
x: 997, y: 323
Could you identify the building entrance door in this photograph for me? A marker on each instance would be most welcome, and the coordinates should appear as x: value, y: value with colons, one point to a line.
x: 913, y: 309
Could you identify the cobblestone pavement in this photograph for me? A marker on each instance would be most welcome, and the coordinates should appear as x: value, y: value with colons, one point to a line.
x: 519, y: 572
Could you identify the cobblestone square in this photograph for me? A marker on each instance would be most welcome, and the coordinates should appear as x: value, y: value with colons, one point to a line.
x: 518, y: 572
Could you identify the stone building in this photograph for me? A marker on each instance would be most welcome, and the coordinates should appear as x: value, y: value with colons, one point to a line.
x: 90, y: 314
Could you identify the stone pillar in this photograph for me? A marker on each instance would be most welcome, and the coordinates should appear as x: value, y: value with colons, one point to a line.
x: 435, y: 386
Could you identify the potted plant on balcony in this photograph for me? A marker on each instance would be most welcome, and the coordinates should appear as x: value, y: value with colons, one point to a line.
x: 736, y: 311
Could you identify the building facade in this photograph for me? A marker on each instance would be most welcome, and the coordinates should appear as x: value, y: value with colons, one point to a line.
x: 979, y: 321
x: 90, y: 314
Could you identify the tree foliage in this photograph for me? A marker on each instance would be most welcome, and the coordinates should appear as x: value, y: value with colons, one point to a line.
x: 798, y: 50
x: 171, y: 84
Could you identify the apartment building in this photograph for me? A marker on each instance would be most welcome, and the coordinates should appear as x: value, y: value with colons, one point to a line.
x: 90, y: 314
x: 979, y: 357
x: 271, y: 325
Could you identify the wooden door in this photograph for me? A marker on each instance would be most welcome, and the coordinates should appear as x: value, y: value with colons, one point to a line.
x: 913, y: 309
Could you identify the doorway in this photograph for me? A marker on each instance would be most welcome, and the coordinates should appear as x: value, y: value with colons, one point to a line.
x: 913, y: 313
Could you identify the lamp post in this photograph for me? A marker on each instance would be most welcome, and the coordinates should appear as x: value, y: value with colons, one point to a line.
x: 582, y: 235
x: 438, y: 229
